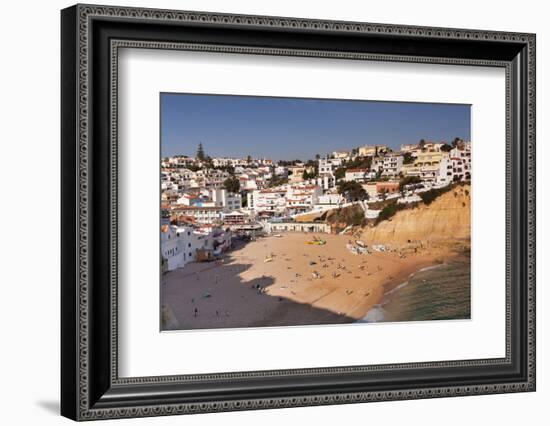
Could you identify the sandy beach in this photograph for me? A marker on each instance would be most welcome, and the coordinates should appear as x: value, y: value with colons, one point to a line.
x: 276, y: 281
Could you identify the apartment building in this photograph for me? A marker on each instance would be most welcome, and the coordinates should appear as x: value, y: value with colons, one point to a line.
x: 302, y: 198
x: 461, y: 162
x: 267, y: 202
x: 389, y: 164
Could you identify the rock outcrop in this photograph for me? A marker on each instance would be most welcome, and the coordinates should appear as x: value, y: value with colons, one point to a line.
x: 447, y: 218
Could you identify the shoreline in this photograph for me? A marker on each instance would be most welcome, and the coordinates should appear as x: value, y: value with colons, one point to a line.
x: 425, y: 277
x: 282, y: 281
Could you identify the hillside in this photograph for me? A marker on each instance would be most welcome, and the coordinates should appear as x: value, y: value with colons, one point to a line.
x: 445, y: 219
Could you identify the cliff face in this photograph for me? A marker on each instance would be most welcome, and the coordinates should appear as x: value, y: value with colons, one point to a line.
x: 446, y: 218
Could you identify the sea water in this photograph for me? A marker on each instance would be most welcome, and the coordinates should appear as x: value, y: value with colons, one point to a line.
x: 440, y: 292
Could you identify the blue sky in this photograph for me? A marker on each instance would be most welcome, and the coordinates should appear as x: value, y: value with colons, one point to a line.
x: 295, y: 128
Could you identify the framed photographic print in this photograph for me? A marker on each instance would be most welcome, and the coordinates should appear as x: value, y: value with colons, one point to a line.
x: 263, y: 212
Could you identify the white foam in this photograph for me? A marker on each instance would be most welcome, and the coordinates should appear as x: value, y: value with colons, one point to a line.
x: 376, y: 314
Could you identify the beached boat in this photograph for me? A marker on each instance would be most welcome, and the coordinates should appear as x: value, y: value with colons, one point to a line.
x: 316, y: 241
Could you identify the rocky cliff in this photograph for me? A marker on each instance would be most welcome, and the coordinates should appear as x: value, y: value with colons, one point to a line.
x: 446, y: 218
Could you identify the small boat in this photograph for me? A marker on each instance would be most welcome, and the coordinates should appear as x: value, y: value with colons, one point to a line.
x: 316, y: 241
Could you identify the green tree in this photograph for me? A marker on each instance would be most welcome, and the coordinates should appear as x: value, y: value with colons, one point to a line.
x: 446, y: 147
x: 421, y: 144
x: 352, y: 191
x: 232, y: 184
x: 339, y: 173
x: 408, y: 158
x: 389, y: 210
x: 200, y: 152
x: 409, y: 180
x: 248, y: 159
x: 208, y: 162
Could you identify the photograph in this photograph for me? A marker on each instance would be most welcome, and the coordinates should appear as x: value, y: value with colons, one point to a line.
x: 293, y: 211
x: 266, y: 208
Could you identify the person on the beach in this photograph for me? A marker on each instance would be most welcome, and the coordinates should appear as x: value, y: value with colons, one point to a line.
x: 196, y: 312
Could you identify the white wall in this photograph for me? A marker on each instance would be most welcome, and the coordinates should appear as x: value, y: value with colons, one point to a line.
x: 29, y: 131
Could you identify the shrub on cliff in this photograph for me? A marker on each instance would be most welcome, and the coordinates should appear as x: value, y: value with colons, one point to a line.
x: 390, y: 210
x: 428, y: 197
x: 352, y: 215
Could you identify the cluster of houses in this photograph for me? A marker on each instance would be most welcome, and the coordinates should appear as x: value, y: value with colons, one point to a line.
x: 201, y: 214
x: 431, y: 162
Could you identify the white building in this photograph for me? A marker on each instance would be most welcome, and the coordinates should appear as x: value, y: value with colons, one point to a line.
x: 432, y: 146
x: 326, y: 181
x: 248, y: 182
x: 302, y: 198
x: 216, y: 240
x: 228, y: 200
x: 327, y: 166
x: 269, y: 201
x: 200, y: 214
x: 431, y: 167
x: 281, y: 171
x: 194, y: 199
x: 182, y: 244
x: 276, y: 227
x: 179, y: 245
x: 341, y: 155
x: 461, y: 162
x: 356, y: 175
x: 210, y: 178
x: 178, y: 161
x: 235, y: 217
x: 389, y: 164
x: 329, y: 200
x: 372, y: 150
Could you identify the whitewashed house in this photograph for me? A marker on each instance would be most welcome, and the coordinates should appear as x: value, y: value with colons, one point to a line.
x: 326, y: 200
x: 356, y: 175
x: 179, y: 245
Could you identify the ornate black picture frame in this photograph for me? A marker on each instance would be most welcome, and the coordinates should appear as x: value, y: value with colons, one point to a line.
x: 91, y: 36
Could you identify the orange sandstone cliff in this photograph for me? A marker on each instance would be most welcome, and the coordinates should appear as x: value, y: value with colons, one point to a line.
x: 447, y: 218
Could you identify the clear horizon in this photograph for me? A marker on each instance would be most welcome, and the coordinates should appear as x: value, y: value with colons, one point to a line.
x: 299, y: 128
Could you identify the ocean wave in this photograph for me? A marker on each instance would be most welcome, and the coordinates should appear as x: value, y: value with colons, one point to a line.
x: 375, y: 314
